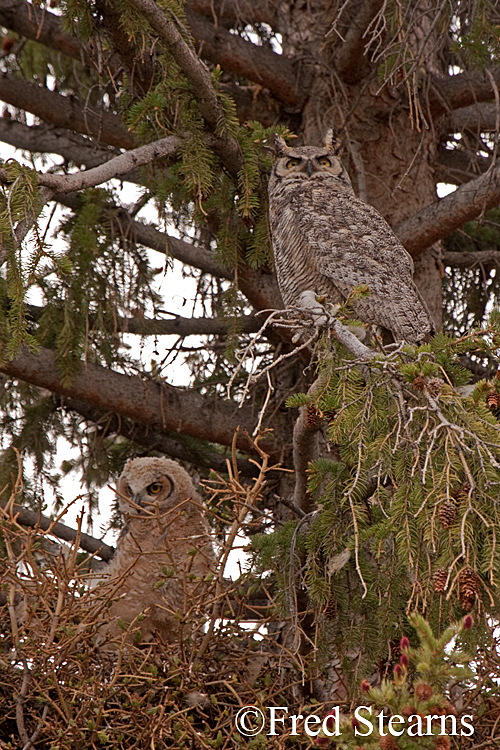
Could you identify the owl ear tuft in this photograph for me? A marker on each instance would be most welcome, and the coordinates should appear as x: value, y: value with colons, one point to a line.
x: 277, y: 146
x: 332, y: 142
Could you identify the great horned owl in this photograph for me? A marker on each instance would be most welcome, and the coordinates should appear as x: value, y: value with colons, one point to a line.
x: 326, y: 241
x: 164, y: 555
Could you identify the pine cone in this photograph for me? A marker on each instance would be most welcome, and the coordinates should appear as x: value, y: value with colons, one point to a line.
x: 312, y: 417
x: 447, y: 514
x: 493, y: 400
x: 469, y: 587
x: 459, y: 494
x: 423, y: 691
x: 440, y: 578
x: 419, y: 383
x: 330, y: 609
x: 434, y: 386
x: 387, y: 743
x: 329, y: 415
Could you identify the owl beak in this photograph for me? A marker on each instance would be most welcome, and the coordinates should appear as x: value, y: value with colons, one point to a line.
x: 309, y: 168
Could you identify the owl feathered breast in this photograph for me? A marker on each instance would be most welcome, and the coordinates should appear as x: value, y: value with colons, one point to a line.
x: 328, y: 241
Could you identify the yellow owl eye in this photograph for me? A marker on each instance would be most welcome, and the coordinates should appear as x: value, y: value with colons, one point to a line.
x: 324, y: 161
x: 155, y: 488
x: 291, y: 163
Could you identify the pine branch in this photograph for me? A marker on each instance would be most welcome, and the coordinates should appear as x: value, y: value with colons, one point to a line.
x: 198, y: 75
x: 454, y: 92
x: 26, y: 517
x: 436, y: 221
x: 149, y: 402
x: 64, y: 111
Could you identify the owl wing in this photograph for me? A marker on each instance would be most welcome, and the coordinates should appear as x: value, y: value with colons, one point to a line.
x: 352, y: 244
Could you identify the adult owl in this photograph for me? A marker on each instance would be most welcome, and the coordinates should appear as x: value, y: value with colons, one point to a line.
x: 164, y: 555
x: 326, y: 241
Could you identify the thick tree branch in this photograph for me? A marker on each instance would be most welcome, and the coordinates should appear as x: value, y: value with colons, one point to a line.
x: 259, y: 64
x: 237, y: 12
x: 112, y: 424
x: 47, y: 139
x: 454, y: 92
x: 350, y: 54
x: 157, y: 405
x: 26, y: 517
x: 436, y: 221
x: 40, y: 25
x: 305, y: 449
x: 478, y: 117
x: 467, y: 260
x: 64, y: 111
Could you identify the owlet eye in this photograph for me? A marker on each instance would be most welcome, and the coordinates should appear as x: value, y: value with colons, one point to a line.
x: 154, y: 489
x: 324, y: 161
x: 291, y: 163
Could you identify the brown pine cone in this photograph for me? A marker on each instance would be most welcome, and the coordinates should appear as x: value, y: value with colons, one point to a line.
x: 447, y: 514
x: 469, y: 581
x: 423, y: 691
x: 312, y: 417
x: 434, y: 386
x: 459, y: 494
x: 493, y: 400
x: 442, y: 743
x: 419, y: 383
x: 440, y: 578
x: 330, y: 609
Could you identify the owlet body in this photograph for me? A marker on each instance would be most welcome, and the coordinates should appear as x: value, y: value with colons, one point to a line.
x: 166, y: 538
x: 326, y: 241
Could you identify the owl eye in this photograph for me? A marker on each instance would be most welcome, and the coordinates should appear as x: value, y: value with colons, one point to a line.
x: 155, y: 488
x: 324, y: 161
x: 291, y: 163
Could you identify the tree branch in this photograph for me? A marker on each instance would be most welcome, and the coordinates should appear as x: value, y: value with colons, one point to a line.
x: 259, y: 64
x: 64, y: 111
x: 458, y: 167
x: 41, y: 26
x: 198, y: 75
x: 466, y: 260
x: 436, y: 221
x: 478, y: 117
x: 112, y: 424
x: 237, y: 12
x: 350, y: 54
x: 26, y: 517
x: 453, y: 92
x: 151, y: 403
x: 116, y: 167
x: 47, y: 139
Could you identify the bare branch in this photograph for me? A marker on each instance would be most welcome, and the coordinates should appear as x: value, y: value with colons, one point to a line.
x: 436, y: 221
x: 26, y: 517
x: 453, y: 92
x: 64, y: 111
x: 151, y: 403
x: 259, y: 64
x: 458, y: 167
x: 116, y: 167
x: 305, y: 448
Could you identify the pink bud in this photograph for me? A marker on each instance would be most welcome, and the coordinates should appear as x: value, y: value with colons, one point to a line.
x: 404, y: 661
x: 354, y: 723
x: 404, y: 644
x: 468, y: 622
x: 398, y: 670
x: 365, y: 686
x: 330, y: 719
x: 321, y: 741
